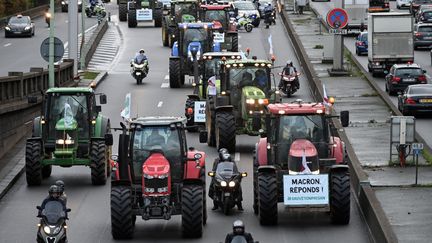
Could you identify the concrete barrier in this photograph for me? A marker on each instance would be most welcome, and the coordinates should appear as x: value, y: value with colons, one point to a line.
x: 375, y: 217
x: 90, y: 47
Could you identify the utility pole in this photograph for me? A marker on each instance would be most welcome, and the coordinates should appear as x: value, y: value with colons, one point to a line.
x: 73, y: 33
x: 51, y: 47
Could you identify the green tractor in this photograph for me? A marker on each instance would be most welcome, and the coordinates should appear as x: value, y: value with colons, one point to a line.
x: 70, y: 131
x: 134, y: 11
x: 182, y: 11
x: 245, y: 88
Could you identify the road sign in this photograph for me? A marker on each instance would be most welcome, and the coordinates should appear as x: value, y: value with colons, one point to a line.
x: 338, y: 31
x: 337, y: 18
x: 58, y: 49
x: 417, y: 148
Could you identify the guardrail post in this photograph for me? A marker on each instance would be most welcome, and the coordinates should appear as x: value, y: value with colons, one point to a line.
x: 17, y: 90
x: 39, y: 83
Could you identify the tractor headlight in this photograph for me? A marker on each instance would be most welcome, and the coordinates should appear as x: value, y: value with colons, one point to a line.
x: 231, y: 184
x: 147, y: 176
x: 149, y: 190
x: 263, y: 101
x: 63, y: 3
x: 163, y: 189
x: 69, y: 141
x: 163, y: 176
x: 223, y: 183
x: 250, y: 101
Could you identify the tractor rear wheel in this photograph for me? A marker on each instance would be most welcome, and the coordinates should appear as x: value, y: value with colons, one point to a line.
x: 46, y: 171
x: 192, y: 211
x: 122, y: 218
x: 157, y: 16
x: 165, y: 34
x: 234, y: 43
x: 267, y: 199
x: 190, y: 103
x: 122, y: 12
x: 225, y: 131
x: 131, y: 19
x: 98, y: 157
x: 33, y: 163
x: 210, y: 124
x: 175, y: 73
x: 340, y: 197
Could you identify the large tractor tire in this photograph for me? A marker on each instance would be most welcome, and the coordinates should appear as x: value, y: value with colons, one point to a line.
x: 234, y: 43
x: 267, y: 199
x: 98, y: 157
x: 123, y: 12
x: 165, y: 34
x: 122, y: 218
x: 46, y: 171
x: 175, y: 73
x: 33, y: 163
x: 225, y: 131
x: 210, y: 124
x: 190, y: 103
x: 131, y: 19
x: 340, y: 197
x: 192, y: 211
x: 157, y: 16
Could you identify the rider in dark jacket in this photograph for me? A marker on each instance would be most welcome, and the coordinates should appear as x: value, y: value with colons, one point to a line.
x: 239, y: 230
x: 54, y: 194
x: 268, y: 10
x: 289, y: 69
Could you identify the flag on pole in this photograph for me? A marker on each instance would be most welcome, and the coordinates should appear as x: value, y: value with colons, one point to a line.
x: 270, y: 41
x: 306, y: 169
x: 125, y: 113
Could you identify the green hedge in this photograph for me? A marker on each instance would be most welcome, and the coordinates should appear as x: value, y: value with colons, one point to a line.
x: 11, y: 7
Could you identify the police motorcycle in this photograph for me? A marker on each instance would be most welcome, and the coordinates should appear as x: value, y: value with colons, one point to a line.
x: 139, y: 70
x: 226, y: 185
x: 52, y: 226
x: 289, y: 88
x: 48, y: 17
x: 243, y: 22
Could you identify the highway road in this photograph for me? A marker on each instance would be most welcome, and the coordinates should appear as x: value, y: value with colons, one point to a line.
x: 422, y: 57
x: 21, y: 53
x: 90, y: 216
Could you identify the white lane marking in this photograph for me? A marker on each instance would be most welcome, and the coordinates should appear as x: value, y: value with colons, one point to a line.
x: 237, y: 157
x: 164, y: 85
x: 166, y: 77
x: 239, y: 46
x: 160, y: 104
x: 8, y: 44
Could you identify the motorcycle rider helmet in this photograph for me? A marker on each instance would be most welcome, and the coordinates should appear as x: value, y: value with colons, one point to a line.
x: 289, y: 62
x: 60, y: 184
x: 226, y: 157
x: 54, y: 191
x: 141, y: 51
x: 238, y: 227
x: 222, y: 151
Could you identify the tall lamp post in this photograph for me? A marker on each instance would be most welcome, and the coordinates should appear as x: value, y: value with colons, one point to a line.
x: 82, y: 59
x: 51, y: 47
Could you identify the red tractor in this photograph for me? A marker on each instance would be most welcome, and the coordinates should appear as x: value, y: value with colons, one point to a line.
x: 156, y: 176
x: 301, y: 163
x: 224, y: 30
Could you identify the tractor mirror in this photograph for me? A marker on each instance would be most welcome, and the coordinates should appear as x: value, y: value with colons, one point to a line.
x: 39, y: 207
x: 197, y: 156
x: 424, y: 71
x: 68, y: 210
x: 109, y: 141
x: 262, y: 133
x: 32, y: 99
x: 98, y: 108
x: 344, y: 117
x: 211, y: 173
x: 203, y: 136
x: 103, y: 99
x: 244, y: 174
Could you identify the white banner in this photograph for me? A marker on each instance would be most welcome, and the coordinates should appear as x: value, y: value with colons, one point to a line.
x: 126, y: 112
x: 199, y: 111
x: 219, y: 37
x: 306, y: 189
x: 144, y: 14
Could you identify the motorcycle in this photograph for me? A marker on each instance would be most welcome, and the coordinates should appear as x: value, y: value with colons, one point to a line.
x: 96, y: 10
x: 139, y: 71
x: 52, y: 225
x: 240, y: 239
x: 244, y: 22
x: 269, y: 18
x: 48, y: 18
x: 288, y: 85
x: 226, y: 185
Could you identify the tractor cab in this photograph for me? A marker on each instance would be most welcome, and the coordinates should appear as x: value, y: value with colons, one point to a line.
x: 184, y: 11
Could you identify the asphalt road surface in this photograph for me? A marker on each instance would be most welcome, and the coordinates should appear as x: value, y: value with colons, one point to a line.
x: 421, y: 57
x: 20, y: 53
x: 90, y: 216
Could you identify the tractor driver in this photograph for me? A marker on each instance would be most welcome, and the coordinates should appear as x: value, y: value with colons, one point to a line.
x: 298, y: 128
x: 260, y: 79
x: 246, y: 80
x: 155, y: 138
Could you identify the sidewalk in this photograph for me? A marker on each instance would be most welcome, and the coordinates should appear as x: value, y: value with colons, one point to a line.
x: 406, y: 207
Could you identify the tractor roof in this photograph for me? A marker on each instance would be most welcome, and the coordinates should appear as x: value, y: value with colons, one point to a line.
x: 158, y: 120
x: 249, y: 62
x: 229, y: 54
x: 197, y: 25
x: 215, y: 7
x: 296, y: 108
x: 183, y: 1
x: 71, y: 90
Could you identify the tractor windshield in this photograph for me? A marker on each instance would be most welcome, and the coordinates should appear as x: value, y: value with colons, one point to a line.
x: 70, y: 108
x: 185, y: 8
x: 194, y: 35
x: 251, y: 76
x: 212, y: 67
x: 159, y: 138
x: 216, y: 15
x: 310, y: 127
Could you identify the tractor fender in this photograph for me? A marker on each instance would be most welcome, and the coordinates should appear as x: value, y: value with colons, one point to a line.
x: 339, y: 168
x: 37, y: 127
x: 174, y: 50
x: 131, y: 5
x: 337, y: 149
x: 267, y: 169
x: 227, y: 108
x: 192, y: 168
x: 261, y: 152
x: 193, y: 97
x: 217, y: 47
x: 120, y: 183
x: 101, y: 127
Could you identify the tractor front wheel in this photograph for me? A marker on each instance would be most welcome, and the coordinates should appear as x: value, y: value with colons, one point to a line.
x: 122, y: 12
x: 122, y: 218
x: 98, y: 163
x: 225, y: 131
x: 190, y: 103
x: 33, y: 163
x: 192, y: 211
x: 340, y: 197
x: 165, y: 34
x: 131, y: 19
x: 175, y: 73
x: 46, y: 171
x: 267, y: 199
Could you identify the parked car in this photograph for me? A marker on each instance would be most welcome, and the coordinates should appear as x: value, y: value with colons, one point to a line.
x: 415, y: 5
x: 422, y: 35
x: 20, y: 26
x: 403, y: 75
x: 403, y: 4
x: 361, y: 43
x: 416, y: 99
x: 424, y: 15
x: 249, y: 9
x: 65, y: 5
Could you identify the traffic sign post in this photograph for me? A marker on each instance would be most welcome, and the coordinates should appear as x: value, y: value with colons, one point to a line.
x: 337, y: 19
x: 58, y: 49
x: 417, y: 148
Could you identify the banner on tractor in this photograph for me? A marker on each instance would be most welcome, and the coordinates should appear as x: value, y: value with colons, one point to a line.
x: 219, y: 37
x: 144, y: 14
x: 306, y: 189
x: 199, y: 115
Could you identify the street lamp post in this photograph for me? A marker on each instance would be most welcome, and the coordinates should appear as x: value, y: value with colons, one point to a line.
x: 82, y: 59
x: 51, y: 47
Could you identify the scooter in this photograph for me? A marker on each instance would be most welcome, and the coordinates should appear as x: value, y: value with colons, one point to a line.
x: 48, y: 18
x: 244, y: 22
x: 52, y: 226
x: 240, y: 239
x: 139, y: 71
x: 288, y: 86
x: 226, y: 185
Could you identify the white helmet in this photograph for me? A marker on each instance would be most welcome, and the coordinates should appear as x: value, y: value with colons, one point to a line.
x: 289, y: 62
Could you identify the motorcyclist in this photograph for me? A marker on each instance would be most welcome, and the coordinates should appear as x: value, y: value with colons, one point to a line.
x: 268, y: 10
x: 140, y: 58
x: 47, y: 16
x: 93, y: 5
x: 289, y: 69
x: 239, y: 230
x: 54, y: 193
x: 63, y: 196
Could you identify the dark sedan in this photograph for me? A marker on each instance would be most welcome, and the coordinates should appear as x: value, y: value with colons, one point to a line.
x: 416, y: 99
x: 422, y: 35
x: 403, y: 75
x: 20, y: 26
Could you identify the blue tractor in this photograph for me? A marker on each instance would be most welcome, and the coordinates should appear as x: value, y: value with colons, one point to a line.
x: 194, y: 40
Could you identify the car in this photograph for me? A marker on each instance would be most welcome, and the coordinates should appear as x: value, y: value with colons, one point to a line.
x: 403, y: 75
x: 416, y: 99
x: 422, y: 35
x: 20, y: 26
x: 403, y: 4
x: 249, y: 9
x: 65, y: 5
x: 415, y: 5
x: 361, y: 43
x: 424, y: 15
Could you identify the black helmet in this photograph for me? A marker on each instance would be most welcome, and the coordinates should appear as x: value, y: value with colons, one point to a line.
x: 60, y: 184
x: 222, y: 151
x: 226, y: 157
x: 238, y: 227
x: 54, y: 191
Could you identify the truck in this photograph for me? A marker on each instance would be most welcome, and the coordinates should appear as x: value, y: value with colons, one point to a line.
x: 379, y: 6
x: 391, y: 41
x: 357, y: 15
